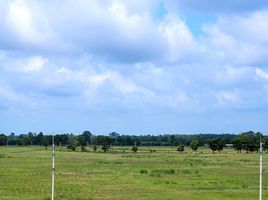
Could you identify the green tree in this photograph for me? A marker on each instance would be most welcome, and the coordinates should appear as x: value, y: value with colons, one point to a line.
x: 3, y: 139
x: 248, y: 141
x: 238, y: 143
x: 194, y: 144
x: 71, y: 147
x: 84, y: 139
x: 134, y: 149
x: 39, y: 138
x: 83, y: 149
x: 105, y: 141
x: 215, y: 144
x: 180, y: 148
x: 45, y: 141
x: 95, y: 148
x: 31, y: 138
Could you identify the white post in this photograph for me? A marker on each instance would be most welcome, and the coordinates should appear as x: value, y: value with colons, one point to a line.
x: 260, y: 169
x: 53, y: 167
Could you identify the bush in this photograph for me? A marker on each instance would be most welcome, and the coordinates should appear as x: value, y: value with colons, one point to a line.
x: 144, y: 171
x: 72, y: 147
x: 134, y: 149
x: 83, y: 149
x: 105, y: 147
x: 180, y: 148
x: 95, y: 148
x: 216, y: 144
x: 195, y: 144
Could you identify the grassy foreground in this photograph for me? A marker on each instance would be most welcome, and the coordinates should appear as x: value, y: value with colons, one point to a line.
x: 25, y: 174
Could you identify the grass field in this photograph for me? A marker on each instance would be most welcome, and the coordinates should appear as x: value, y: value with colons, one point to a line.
x: 25, y: 174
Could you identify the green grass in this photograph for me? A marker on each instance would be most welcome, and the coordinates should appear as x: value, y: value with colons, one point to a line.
x: 25, y: 174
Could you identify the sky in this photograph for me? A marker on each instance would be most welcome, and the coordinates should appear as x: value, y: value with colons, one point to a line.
x: 133, y: 66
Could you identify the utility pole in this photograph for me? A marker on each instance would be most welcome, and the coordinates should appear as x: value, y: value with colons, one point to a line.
x: 53, y: 168
x: 260, y: 168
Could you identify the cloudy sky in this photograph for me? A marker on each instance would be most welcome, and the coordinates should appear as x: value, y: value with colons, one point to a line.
x: 134, y: 66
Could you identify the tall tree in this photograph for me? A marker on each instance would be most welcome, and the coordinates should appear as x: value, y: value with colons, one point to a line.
x: 215, y: 144
x: 195, y: 144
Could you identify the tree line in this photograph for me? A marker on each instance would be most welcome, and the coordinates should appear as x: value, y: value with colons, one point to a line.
x: 246, y: 141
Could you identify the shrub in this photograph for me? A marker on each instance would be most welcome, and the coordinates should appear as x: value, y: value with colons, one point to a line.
x: 144, y: 171
x: 105, y: 147
x: 159, y: 172
x: 180, y: 148
x: 72, y: 147
x: 83, y: 149
x: 134, y: 149
x: 195, y: 144
x: 95, y: 148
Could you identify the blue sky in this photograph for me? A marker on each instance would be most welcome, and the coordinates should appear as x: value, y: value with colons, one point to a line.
x: 135, y: 67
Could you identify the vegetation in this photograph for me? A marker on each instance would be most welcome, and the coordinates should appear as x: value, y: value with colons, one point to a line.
x: 215, y: 145
x: 160, y: 175
x: 83, y: 149
x: 115, y: 139
x: 95, y: 148
x: 180, y: 148
x: 105, y: 141
x: 195, y: 144
x: 71, y: 147
x: 247, y: 141
x: 134, y: 149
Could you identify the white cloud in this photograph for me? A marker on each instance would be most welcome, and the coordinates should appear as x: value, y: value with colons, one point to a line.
x: 34, y: 64
x: 20, y: 19
x: 262, y: 74
x: 117, y: 56
x: 225, y: 97
x: 7, y: 93
x: 240, y: 39
x: 231, y: 75
x: 179, y: 37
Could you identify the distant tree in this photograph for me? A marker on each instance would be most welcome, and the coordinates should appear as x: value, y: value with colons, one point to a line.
x: 172, y: 140
x: 84, y: 138
x: 238, y: 143
x: 83, y: 149
x: 71, y: 147
x: 57, y: 140
x: 265, y: 143
x: 31, y: 138
x: 95, y: 148
x: 12, y: 139
x: 248, y: 141
x: 39, y: 138
x: 12, y: 135
x: 3, y: 139
x: 129, y: 141
x: 105, y: 141
x: 45, y: 141
x: 134, y: 149
x: 64, y: 139
x: 215, y: 144
x: 114, y: 134
x: 180, y: 148
x: 194, y: 144
x: 105, y: 147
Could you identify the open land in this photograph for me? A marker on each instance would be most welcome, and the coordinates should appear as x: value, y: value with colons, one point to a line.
x: 159, y: 174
